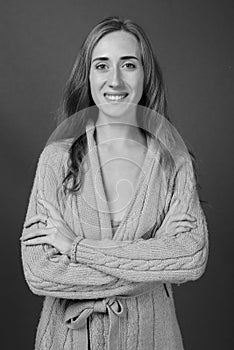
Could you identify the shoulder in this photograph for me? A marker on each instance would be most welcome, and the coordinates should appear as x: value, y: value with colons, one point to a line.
x: 184, y: 175
x: 55, y: 154
x: 56, y: 150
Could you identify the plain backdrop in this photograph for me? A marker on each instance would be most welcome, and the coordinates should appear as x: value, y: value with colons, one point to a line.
x: 193, y: 41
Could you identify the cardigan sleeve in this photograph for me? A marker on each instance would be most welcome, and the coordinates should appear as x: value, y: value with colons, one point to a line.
x: 168, y: 258
x: 55, y: 275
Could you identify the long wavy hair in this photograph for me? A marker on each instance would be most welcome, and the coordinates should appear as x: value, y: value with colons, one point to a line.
x: 77, y: 95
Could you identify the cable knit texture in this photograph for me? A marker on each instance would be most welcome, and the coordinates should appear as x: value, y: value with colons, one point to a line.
x: 113, y: 297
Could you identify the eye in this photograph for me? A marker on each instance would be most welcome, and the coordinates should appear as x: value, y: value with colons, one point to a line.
x: 130, y: 65
x: 101, y: 66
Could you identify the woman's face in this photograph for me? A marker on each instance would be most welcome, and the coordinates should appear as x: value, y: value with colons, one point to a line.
x: 116, y: 74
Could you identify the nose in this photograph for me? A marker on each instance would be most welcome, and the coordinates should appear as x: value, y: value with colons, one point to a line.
x: 115, y: 78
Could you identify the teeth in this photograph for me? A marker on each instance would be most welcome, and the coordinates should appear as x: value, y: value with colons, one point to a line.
x: 115, y: 97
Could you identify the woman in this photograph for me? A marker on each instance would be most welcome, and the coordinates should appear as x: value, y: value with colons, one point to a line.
x: 103, y: 253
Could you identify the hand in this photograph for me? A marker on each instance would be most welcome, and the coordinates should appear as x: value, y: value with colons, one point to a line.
x: 175, y: 223
x: 57, y: 233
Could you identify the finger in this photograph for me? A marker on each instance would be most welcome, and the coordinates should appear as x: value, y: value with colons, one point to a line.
x: 35, y: 219
x: 183, y: 216
x: 53, y: 211
x: 36, y: 233
x: 180, y: 225
x: 181, y: 229
x: 186, y: 224
x: 36, y: 241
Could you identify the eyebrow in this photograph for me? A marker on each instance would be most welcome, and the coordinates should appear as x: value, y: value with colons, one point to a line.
x: 121, y: 58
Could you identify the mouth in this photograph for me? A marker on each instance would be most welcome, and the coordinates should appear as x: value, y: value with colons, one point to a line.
x: 115, y: 97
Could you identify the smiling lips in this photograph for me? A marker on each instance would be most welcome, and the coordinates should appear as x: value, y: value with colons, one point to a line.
x: 115, y: 97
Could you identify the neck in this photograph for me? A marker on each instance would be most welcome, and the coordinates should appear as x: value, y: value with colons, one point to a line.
x: 117, y: 135
x: 119, y: 132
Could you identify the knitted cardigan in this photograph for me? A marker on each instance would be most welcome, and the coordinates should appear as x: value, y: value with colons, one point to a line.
x: 119, y: 297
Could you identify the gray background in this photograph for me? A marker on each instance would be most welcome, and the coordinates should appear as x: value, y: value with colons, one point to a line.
x: 193, y: 41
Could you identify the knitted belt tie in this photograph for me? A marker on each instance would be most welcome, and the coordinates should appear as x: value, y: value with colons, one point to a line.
x: 76, y: 317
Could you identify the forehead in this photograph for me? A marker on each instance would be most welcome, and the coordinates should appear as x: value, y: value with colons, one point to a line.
x: 118, y: 43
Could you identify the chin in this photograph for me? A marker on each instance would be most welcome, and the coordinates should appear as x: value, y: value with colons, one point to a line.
x: 116, y: 109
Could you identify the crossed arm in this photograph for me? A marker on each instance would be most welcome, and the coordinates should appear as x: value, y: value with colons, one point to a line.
x: 100, y: 271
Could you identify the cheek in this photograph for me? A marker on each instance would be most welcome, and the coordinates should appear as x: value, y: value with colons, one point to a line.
x: 93, y: 87
x: 91, y: 81
x: 95, y: 83
x: 138, y: 83
x: 137, y: 79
